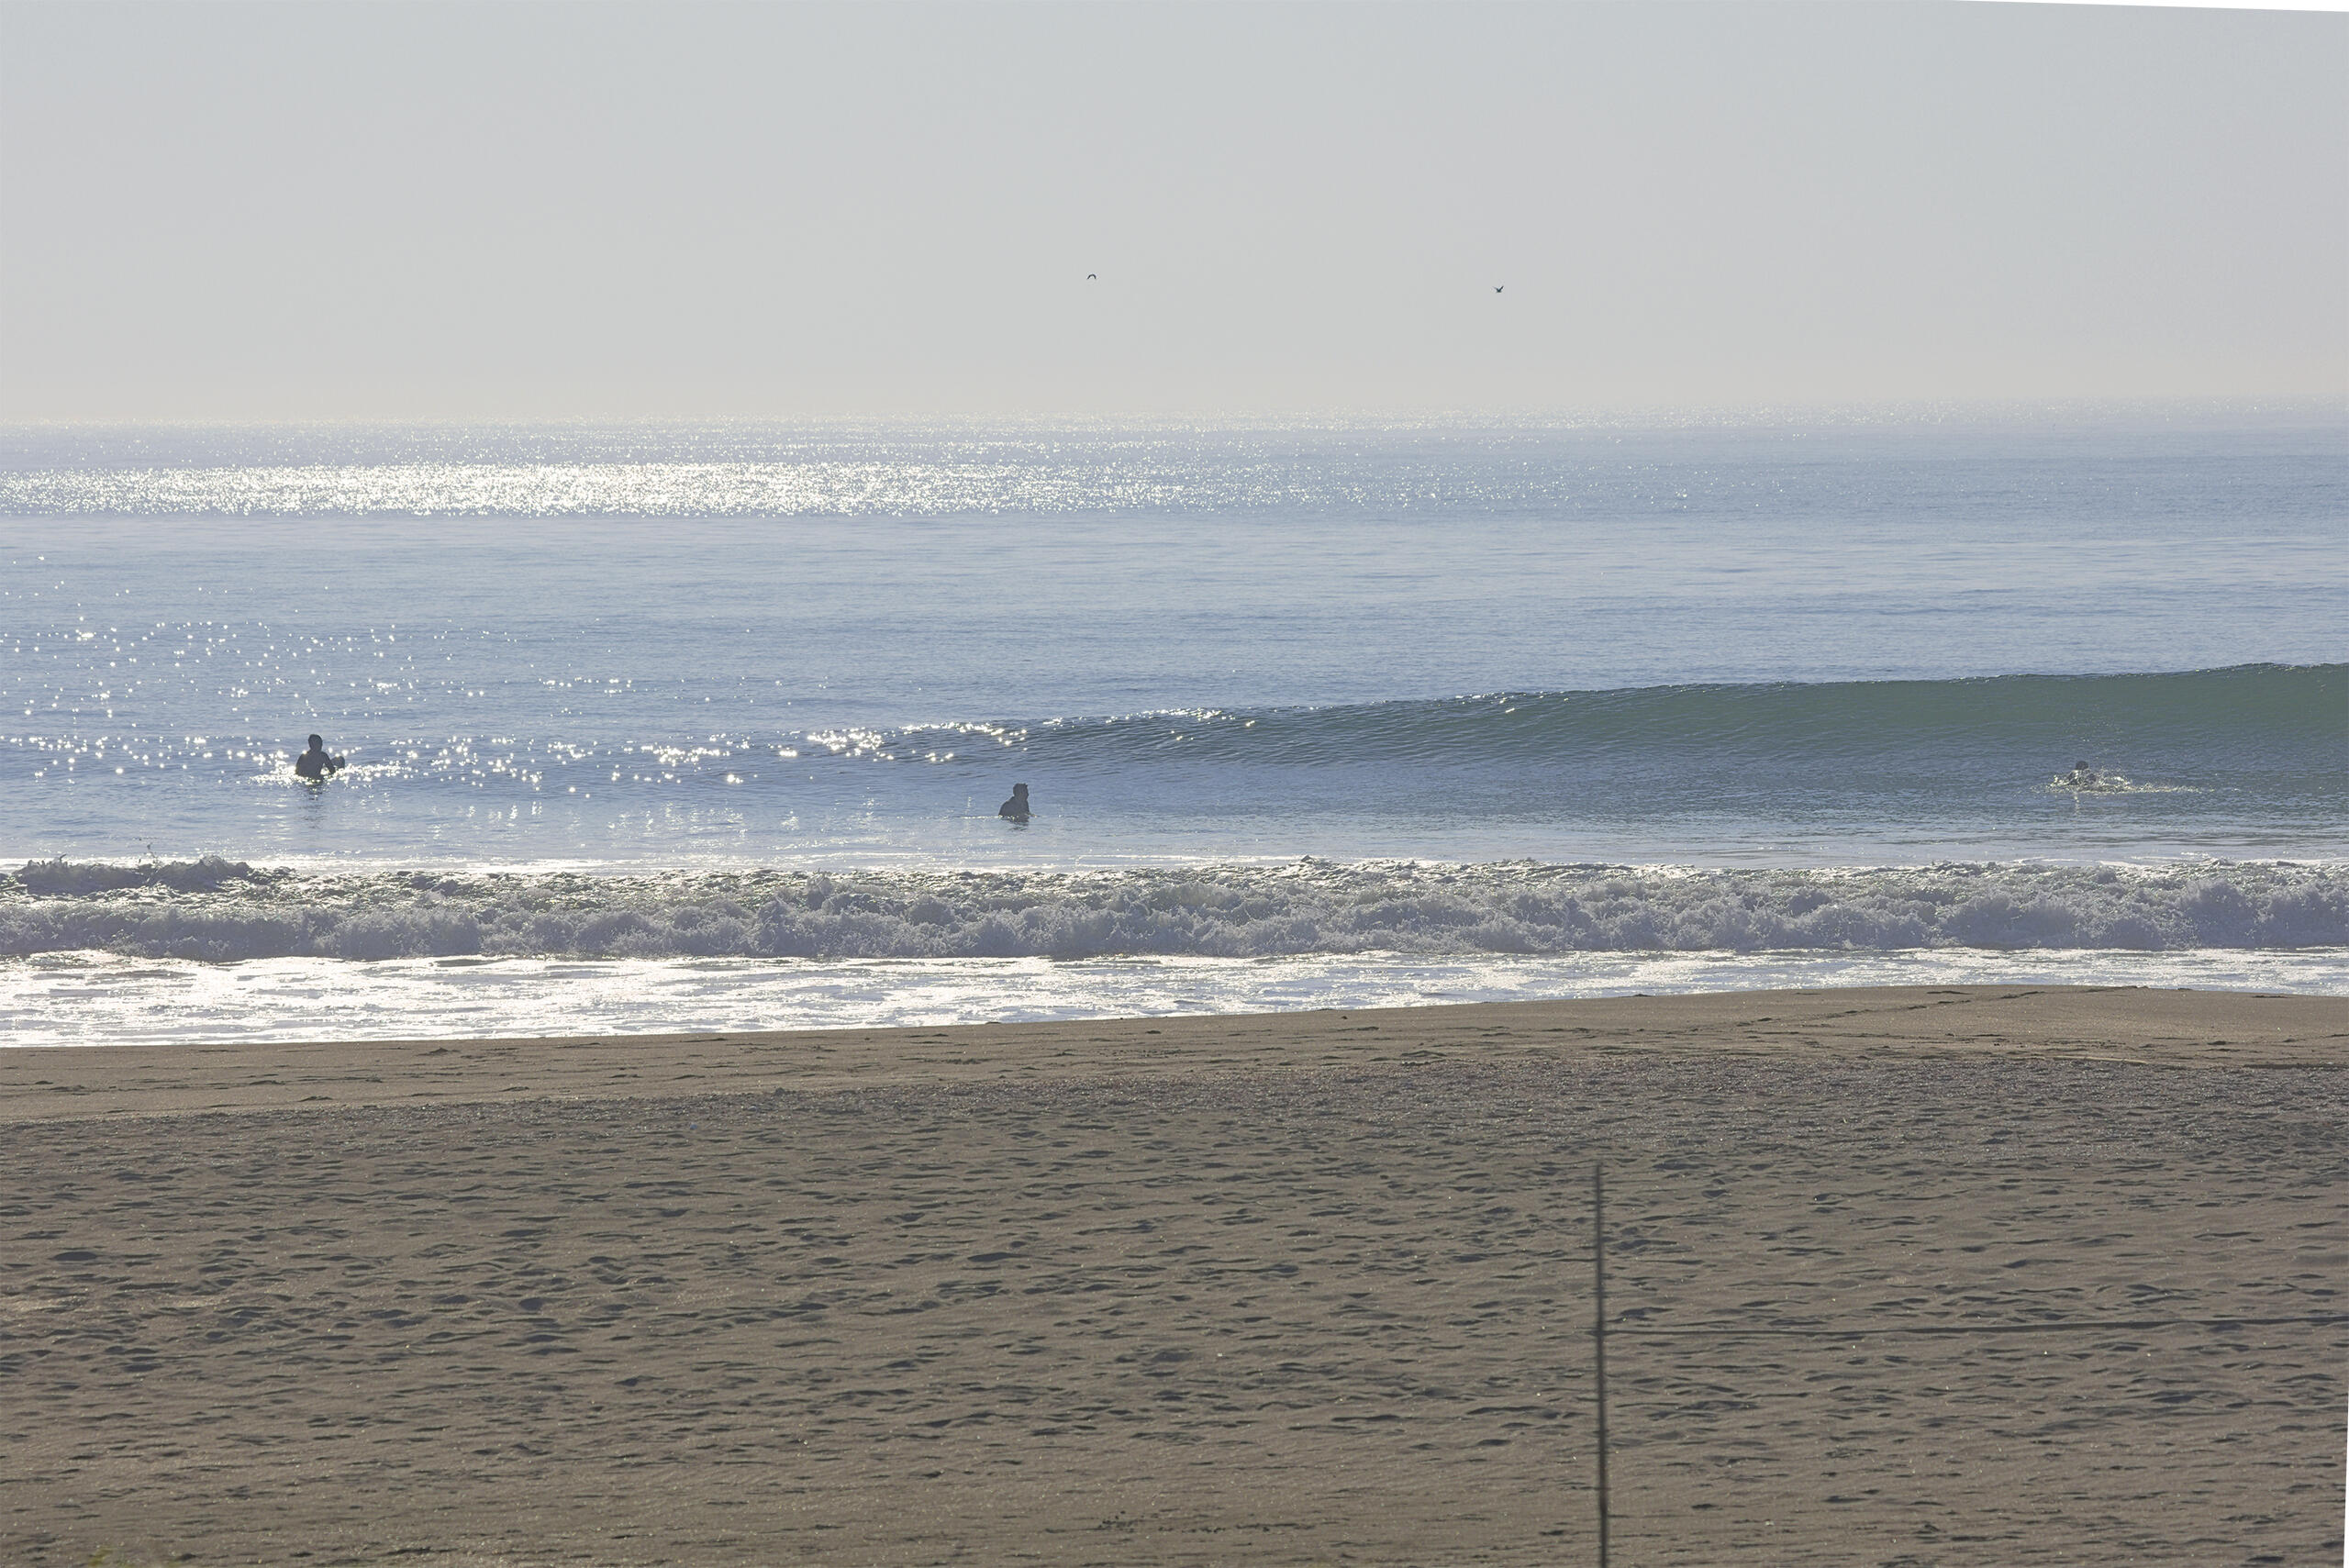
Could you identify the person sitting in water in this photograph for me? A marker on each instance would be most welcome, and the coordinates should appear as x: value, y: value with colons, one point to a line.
x: 2081, y: 776
x: 315, y: 763
x: 1015, y: 807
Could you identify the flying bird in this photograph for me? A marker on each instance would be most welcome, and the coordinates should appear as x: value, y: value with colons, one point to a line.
x: 1090, y: 276
x: 1497, y: 287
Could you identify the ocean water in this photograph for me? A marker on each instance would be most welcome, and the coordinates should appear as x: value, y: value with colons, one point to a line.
x: 693, y: 727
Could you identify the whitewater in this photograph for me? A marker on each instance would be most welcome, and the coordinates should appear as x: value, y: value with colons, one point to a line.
x: 705, y: 726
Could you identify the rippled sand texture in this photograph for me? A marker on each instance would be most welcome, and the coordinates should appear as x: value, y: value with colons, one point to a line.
x: 1086, y: 1294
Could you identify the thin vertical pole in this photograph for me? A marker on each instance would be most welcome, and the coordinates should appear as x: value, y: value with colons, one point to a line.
x: 1598, y: 1334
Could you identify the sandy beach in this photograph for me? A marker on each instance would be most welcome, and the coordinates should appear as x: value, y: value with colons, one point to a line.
x: 1979, y: 1276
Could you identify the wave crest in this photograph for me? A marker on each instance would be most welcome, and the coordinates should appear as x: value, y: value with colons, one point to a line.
x: 62, y: 878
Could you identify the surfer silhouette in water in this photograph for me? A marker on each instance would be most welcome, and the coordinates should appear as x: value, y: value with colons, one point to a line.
x: 1016, y: 808
x: 2081, y: 776
x: 314, y: 764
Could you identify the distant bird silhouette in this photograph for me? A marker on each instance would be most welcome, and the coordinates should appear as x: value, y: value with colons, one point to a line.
x: 1497, y: 287
x: 1090, y: 276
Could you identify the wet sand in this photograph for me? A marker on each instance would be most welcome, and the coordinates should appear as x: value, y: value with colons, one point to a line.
x: 1979, y: 1276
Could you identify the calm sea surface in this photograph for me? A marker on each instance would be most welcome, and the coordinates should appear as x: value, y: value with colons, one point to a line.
x: 707, y: 725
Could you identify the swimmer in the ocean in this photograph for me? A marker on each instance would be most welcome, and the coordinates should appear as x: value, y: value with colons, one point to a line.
x: 1016, y: 808
x: 2081, y: 776
x: 315, y: 763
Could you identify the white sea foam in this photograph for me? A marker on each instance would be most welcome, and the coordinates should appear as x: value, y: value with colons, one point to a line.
x: 90, y: 998
x: 215, y: 910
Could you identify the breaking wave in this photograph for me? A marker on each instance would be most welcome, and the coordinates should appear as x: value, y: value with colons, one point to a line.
x: 219, y: 911
x: 2253, y: 715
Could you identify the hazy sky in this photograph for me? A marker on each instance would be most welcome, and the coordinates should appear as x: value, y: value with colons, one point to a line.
x: 544, y: 211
